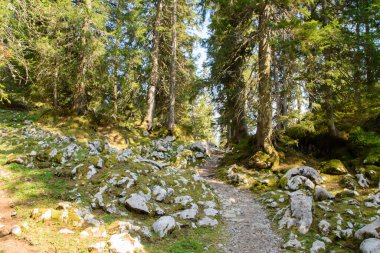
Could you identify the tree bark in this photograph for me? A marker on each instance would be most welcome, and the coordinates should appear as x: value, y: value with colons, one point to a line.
x: 329, y: 100
x: 173, y: 71
x: 55, y: 90
x: 154, y: 72
x: 264, y: 119
x: 80, y: 97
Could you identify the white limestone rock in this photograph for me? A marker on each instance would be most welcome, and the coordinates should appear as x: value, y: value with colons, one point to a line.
x: 124, y: 243
x: 305, y: 171
x: 183, y: 200
x: 318, y: 246
x: 66, y: 231
x: 299, y: 214
x: 164, y: 225
x: 138, y: 203
x: 371, y: 245
x: 324, y: 227
x: 207, y: 222
x: 370, y: 230
x: 322, y: 194
x: 16, y: 230
x: 292, y: 244
x: 362, y: 181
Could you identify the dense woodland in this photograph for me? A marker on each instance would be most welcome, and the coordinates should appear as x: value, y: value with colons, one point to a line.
x: 271, y: 65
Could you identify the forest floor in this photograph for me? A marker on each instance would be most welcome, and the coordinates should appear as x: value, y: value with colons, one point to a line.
x: 8, y: 219
x: 249, y: 230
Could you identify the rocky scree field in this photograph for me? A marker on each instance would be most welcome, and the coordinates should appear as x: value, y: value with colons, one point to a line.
x: 72, y: 196
x: 327, y: 209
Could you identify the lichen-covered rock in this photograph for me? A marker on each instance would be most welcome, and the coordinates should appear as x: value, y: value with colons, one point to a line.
x: 347, y: 193
x: 305, y: 171
x: 371, y: 245
x: 298, y: 182
x: 164, y: 225
x: 322, y: 194
x: 324, y: 227
x: 292, y: 244
x: 362, y: 181
x: 299, y: 214
x: 207, y: 222
x: 348, y: 181
x: 138, y: 203
x: 333, y: 167
x: 370, y: 230
x: 318, y: 246
x: 200, y: 147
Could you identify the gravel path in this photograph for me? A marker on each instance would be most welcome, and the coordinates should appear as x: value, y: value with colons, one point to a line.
x: 248, y: 226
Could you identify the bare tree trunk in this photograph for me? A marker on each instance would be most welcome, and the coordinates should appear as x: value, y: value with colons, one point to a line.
x: 173, y: 72
x: 154, y: 73
x: 264, y: 119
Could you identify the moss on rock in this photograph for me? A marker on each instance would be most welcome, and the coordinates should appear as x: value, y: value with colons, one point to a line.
x: 333, y: 167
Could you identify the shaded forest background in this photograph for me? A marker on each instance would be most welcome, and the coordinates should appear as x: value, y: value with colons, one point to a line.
x: 303, y: 74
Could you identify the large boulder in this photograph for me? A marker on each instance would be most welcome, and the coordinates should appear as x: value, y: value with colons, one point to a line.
x: 138, y: 203
x: 371, y: 245
x: 201, y: 146
x: 298, y: 182
x: 305, y: 171
x: 164, y: 225
x: 333, y: 167
x: 299, y: 214
x: 370, y: 230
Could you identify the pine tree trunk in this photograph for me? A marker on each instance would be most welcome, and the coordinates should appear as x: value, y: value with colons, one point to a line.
x: 173, y: 71
x: 329, y: 101
x: 55, y: 90
x: 115, y: 97
x: 154, y: 72
x: 264, y: 119
x: 80, y: 97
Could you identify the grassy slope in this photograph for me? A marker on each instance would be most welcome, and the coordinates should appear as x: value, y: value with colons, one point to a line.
x: 40, y: 188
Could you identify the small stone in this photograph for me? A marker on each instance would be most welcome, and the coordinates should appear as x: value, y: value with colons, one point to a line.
x: 211, y: 212
x: 207, y: 222
x: 322, y: 194
x: 16, y: 230
x: 97, y: 247
x: 292, y: 244
x: 4, y: 231
x: 46, y: 216
x: 318, y: 246
x: 66, y: 231
x: 13, y: 214
x: 324, y: 227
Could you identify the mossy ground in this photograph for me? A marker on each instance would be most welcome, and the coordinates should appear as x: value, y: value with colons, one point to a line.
x: 40, y: 188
